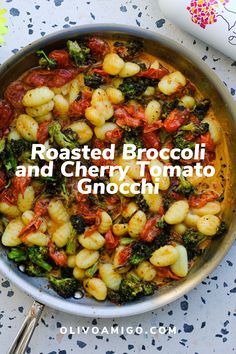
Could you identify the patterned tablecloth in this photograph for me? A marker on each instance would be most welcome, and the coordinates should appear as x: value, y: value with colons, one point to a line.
x: 205, y: 319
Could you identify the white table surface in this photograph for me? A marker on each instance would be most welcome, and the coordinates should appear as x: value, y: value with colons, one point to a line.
x: 206, y: 317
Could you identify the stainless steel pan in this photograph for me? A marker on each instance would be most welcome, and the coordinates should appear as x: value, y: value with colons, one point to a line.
x: 225, y: 110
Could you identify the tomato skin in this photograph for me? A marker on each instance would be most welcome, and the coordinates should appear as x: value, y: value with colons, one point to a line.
x: 124, y: 255
x: 151, y: 140
x: 6, y: 114
x: 114, y: 136
x: 14, y: 93
x: 100, y: 72
x: 20, y: 184
x: 165, y: 272
x: 206, y: 139
x: 123, y: 118
x: 99, y: 48
x: 2, y: 180
x: 153, y: 73
x: 110, y: 240
x: 198, y: 201
x: 77, y: 108
x: 41, y: 207
x: 59, y: 257
x: 50, y: 78
x: 150, y: 230
x: 42, y: 134
x: 175, y: 119
x: 61, y: 57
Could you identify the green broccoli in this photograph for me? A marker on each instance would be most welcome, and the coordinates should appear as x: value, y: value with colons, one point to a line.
x: 39, y: 256
x: 78, y: 52
x: 17, y: 254
x: 90, y: 272
x: 184, y: 186
x: 78, y: 223
x: 72, y: 243
x: 196, y: 130
x: 132, y: 136
x: 202, y: 108
x: 94, y: 80
x: 143, y: 205
x: 181, y: 143
x: 65, y: 139
x: 222, y: 230
x: 192, y: 240
x: 45, y: 61
x: 131, y: 288
x: 134, y: 87
x: 33, y: 270
x: 11, y: 152
x: 142, y: 250
x: 128, y: 50
x: 65, y: 287
x: 168, y: 107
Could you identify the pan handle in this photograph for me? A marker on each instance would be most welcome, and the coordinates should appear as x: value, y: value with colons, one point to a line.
x: 22, y: 339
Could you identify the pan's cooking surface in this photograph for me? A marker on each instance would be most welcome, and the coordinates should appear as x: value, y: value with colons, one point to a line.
x: 199, y: 319
x: 209, y: 85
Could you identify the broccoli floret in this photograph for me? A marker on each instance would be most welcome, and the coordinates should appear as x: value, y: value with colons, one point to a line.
x: 132, y: 136
x: 167, y: 107
x: 131, y: 289
x: 65, y: 287
x: 196, y: 130
x: 56, y: 184
x: 78, y: 223
x: 143, y: 205
x: 202, y: 108
x: 134, y: 87
x: 39, y: 256
x: 129, y: 49
x: 33, y: 270
x: 140, y: 252
x: 94, y: 80
x: 45, y: 61
x: 78, y: 52
x: 65, y: 139
x: 222, y: 230
x: 17, y: 254
x: 184, y: 186
x: 72, y: 243
x: 191, y: 240
x: 181, y: 143
x: 90, y: 272
x: 11, y: 152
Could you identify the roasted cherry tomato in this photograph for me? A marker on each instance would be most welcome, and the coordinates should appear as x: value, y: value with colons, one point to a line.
x: 150, y: 230
x: 77, y: 108
x: 110, y: 240
x: 99, y: 47
x: 59, y: 257
x: 14, y: 93
x: 50, y: 78
x: 114, y: 136
x: 6, y: 114
x: 42, y: 134
x: 198, y: 201
x: 206, y: 139
x: 153, y: 73
x: 61, y: 57
x: 124, y: 255
x: 175, y: 120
